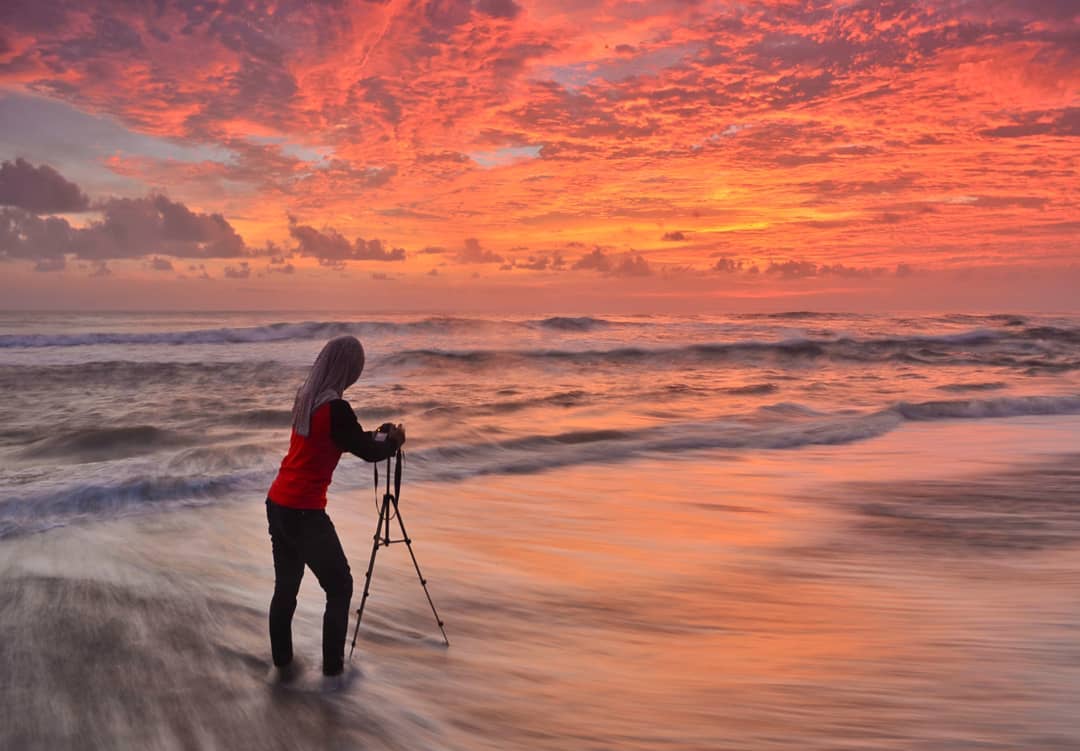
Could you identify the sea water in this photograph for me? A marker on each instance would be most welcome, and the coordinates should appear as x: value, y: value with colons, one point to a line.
x: 798, y: 530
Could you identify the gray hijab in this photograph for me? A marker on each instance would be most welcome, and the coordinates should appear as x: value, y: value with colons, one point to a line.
x: 336, y: 368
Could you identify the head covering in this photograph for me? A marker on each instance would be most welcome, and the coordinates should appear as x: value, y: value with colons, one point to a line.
x: 336, y: 368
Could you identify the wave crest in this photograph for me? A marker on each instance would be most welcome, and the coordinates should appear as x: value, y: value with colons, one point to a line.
x: 578, y: 323
x: 273, y: 332
x: 1007, y: 406
x: 785, y: 425
x: 99, y: 444
x: 42, y: 510
x: 1040, y: 349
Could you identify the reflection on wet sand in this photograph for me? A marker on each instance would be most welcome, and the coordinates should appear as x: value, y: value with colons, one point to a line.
x: 703, y: 602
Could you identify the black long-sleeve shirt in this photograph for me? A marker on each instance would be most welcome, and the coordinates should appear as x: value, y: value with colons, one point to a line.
x: 349, y: 435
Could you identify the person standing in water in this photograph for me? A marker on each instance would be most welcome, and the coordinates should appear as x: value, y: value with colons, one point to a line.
x: 324, y: 426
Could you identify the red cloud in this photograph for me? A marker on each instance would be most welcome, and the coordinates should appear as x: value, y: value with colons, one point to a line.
x: 845, y: 135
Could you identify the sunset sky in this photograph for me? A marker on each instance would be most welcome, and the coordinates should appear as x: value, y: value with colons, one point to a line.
x: 494, y: 154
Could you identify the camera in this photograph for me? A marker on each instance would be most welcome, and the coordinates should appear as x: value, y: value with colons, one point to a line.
x: 383, y: 431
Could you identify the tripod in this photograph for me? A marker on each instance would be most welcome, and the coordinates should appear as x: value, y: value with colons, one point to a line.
x: 382, y: 537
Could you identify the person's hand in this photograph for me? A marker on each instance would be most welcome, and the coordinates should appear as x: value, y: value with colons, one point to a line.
x: 397, y: 433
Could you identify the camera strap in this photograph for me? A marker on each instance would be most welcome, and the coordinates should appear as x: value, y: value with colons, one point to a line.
x: 398, y: 461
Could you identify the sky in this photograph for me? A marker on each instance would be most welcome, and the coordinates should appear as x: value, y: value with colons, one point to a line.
x: 656, y: 155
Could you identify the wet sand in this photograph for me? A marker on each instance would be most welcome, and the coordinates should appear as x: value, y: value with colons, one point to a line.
x: 917, y: 591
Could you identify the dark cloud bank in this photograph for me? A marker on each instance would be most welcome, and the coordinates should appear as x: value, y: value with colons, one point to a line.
x: 140, y: 228
x: 41, y: 190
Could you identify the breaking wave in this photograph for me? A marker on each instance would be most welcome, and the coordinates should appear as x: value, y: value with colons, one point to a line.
x: 579, y: 323
x: 274, y: 332
x: 538, y: 453
x: 1009, y: 406
x: 281, y: 332
x: 804, y: 426
x: 121, y: 374
x: 99, y: 444
x: 202, y: 473
x: 1032, y: 348
x: 41, y: 510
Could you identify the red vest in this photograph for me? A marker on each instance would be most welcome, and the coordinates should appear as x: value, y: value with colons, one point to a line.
x: 307, y: 469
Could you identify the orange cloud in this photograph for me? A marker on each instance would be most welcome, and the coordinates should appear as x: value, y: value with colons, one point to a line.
x: 846, y: 139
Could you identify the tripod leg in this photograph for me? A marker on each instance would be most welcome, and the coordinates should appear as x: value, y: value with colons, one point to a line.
x: 383, y: 513
x: 386, y: 535
x: 423, y: 581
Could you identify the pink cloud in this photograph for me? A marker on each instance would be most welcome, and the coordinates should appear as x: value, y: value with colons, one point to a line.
x: 836, y: 135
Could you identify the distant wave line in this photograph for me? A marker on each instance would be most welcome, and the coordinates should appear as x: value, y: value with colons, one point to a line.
x: 927, y: 350
x: 279, y: 332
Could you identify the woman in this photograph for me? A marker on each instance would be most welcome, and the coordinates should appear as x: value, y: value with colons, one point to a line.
x: 323, y: 427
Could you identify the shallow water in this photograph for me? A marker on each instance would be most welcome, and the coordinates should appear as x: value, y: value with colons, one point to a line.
x: 116, y: 413
x: 865, y: 561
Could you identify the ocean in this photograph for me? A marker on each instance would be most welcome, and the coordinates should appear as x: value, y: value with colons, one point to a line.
x: 761, y: 531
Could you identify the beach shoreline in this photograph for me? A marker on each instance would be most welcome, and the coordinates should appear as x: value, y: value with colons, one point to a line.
x: 764, y: 601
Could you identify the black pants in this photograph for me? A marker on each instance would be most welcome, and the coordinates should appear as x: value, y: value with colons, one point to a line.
x: 307, y: 537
